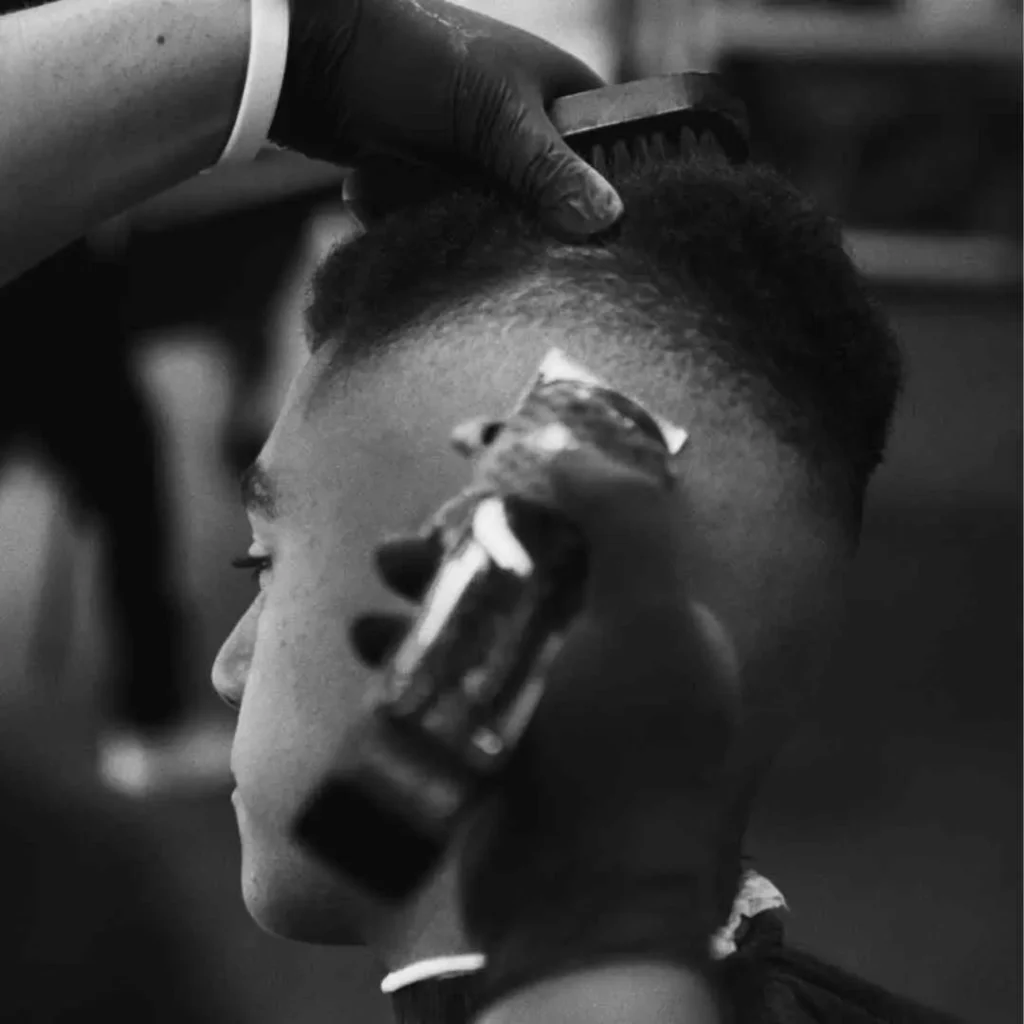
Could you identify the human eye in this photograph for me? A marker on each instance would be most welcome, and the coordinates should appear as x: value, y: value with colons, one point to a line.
x: 257, y: 564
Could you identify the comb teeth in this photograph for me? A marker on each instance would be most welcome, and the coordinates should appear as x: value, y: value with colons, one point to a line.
x: 688, y: 141
x: 622, y: 159
x: 619, y: 157
x: 642, y: 151
x: 657, y: 148
x: 654, y: 119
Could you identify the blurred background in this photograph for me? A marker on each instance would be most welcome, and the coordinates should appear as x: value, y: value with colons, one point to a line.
x: 148, y: 364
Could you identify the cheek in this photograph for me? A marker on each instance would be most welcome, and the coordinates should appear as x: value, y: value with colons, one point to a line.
x: 304, y: 690
x: 304, y: 693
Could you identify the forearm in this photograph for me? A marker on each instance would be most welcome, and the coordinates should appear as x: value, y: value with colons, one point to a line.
x: 104, y: 103
x: 637, y: 993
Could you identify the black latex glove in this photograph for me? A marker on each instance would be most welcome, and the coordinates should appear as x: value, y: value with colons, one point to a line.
x: 601, y: 840
x: 430, y: 82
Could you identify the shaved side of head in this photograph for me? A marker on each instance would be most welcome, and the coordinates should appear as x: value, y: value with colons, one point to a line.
x: 724, y: 284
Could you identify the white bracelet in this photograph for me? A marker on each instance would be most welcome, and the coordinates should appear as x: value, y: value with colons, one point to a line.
x: 268, y: 50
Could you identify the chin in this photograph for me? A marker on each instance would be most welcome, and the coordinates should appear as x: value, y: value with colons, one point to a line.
x: 292, y: 897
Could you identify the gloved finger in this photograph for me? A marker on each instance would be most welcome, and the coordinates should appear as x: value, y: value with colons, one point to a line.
x: 473, y: 436
x: 407, y: 564
x: 552, y: 70
x: 375, y: 636
x: 523, y: 150
x: 572, y: 199
x: 630, y: 520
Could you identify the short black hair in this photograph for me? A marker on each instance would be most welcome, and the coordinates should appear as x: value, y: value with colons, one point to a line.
x: 787, y: 329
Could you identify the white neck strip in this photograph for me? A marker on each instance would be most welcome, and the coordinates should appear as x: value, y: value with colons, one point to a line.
x: 436, y: 967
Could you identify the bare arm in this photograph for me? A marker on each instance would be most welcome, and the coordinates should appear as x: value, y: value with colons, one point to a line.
x: 638, y: 993
x: 104, y: 103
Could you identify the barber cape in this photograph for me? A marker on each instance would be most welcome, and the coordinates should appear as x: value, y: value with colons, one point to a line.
x: 764, y: 980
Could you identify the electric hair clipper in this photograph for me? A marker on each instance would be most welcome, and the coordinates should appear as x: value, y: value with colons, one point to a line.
x: 463, y: 685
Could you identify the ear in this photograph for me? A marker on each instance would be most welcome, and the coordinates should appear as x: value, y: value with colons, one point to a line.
x: 471, y: 437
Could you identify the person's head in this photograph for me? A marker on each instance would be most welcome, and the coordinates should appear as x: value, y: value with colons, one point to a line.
x: 725, y: 303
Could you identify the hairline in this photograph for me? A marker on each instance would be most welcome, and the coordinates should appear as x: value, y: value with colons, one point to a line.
x: 470, y: 247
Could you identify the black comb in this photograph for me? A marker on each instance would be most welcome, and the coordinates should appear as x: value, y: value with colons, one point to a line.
x: 636, y: 123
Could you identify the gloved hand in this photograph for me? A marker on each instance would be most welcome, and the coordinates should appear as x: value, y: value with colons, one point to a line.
x: 436, y: 84
x: 601, y: 840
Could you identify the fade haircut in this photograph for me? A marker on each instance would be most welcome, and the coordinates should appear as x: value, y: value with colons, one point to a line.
x: 786, y: 332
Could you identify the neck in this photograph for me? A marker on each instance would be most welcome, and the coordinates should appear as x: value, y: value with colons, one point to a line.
x: 642, y: 993
x: 431, y: 927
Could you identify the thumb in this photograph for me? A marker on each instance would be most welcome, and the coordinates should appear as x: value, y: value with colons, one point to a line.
x: 573, y: 200
x: 630, y: 520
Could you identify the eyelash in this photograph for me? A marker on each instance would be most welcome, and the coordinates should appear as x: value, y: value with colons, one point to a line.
x: 258, y: 563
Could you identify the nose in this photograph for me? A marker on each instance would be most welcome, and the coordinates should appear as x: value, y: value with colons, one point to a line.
x: 234, y: 659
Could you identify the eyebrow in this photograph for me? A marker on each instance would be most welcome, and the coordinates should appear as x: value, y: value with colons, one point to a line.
x: 259, y: 492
